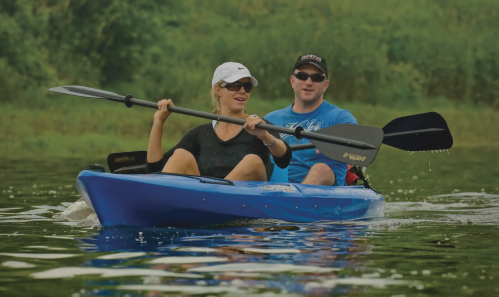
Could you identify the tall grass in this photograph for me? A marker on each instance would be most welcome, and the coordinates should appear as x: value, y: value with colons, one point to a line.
x: 83, y: 127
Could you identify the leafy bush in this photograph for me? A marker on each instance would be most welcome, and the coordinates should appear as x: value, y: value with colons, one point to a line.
x: 381, y: 52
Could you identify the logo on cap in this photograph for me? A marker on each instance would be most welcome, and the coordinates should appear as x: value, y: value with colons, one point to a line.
x: 313, y: 57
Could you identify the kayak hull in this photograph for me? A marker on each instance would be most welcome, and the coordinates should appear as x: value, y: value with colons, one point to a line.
x: 159, y: 200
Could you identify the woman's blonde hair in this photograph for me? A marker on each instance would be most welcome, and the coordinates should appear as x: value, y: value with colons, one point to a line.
x: 215, y: 100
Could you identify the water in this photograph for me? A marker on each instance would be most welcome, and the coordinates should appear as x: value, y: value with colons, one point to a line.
x: 439, y: 237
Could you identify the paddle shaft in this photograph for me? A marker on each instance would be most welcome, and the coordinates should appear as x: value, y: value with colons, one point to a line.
x: 306, y: 146
x: 297, y: 132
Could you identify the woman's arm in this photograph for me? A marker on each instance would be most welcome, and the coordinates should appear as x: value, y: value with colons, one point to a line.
x: 278, y: 149
x: 276, y: 146
x: 155, y: 148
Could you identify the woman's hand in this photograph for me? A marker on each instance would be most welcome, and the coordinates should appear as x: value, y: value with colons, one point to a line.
x: 162, y: 113
x: 250, y: 127
x: 155, y: 148
x: 276, y: 146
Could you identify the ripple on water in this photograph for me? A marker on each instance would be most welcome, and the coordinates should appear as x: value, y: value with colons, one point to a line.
x: 79, y: 214
x: 263, y: 267
x: 356, y: 281
x: 40, y: 256
x: 122, y: 256
x: 69, y: 272
x: 470, y: 208
x: 185, y: 289
x: 187, y: 260
x: 466, y: 195
x: 17, y: 264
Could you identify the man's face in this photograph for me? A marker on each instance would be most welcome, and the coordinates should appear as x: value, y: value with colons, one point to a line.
x: 307, y: 91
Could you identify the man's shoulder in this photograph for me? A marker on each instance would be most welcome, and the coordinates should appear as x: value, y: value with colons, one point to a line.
x: 279, y: 111
x: 277, y: 114
x: 327, y: 112
x: 328, y: 107
x: 336, y: 115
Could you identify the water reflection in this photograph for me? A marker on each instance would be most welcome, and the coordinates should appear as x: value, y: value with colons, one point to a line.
x: 246, y: 260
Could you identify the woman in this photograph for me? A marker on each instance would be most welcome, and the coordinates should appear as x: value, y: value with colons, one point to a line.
x: 220, y: 149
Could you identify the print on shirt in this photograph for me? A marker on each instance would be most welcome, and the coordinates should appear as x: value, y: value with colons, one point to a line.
x: 307, y: 125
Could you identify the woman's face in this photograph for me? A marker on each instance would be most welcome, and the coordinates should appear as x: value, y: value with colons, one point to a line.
x: 233, y: 101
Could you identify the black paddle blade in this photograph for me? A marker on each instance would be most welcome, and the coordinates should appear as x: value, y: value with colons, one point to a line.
x: 351, y: 155
x: 127, y: 159
x: 420, y: 132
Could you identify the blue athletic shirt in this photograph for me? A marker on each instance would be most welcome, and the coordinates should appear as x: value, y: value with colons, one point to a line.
x: 324, y: 116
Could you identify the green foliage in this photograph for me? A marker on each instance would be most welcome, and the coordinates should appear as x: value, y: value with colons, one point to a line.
x: 379, y: 52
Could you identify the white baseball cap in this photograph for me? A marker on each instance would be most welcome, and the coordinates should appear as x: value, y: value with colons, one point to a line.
x: 231, y: 72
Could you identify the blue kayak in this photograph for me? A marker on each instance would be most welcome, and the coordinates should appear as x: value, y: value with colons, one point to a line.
x: 166, y: 200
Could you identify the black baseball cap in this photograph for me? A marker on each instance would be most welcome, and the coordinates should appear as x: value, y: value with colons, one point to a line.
x: 312, y: 59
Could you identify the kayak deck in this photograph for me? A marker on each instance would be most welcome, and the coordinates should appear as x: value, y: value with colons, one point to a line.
x: 160, y: 200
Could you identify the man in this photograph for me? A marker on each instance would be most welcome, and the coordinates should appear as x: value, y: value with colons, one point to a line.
x: 310, y: 111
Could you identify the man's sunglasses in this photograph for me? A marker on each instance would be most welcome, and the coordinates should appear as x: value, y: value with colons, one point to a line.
x: 237, y: 86
x: 305, y: 76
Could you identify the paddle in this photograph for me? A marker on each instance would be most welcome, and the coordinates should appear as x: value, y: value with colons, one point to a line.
x: 419, y: 132
x: 353, y: 144
x: 127, y: 162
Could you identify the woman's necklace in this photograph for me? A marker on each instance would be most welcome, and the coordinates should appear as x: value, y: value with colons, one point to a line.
x: 218, y: 121
x: 216, y: 125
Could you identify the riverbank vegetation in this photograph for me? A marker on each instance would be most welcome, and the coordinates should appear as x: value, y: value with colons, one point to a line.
x: 386, y: 58
x: 378, y: 52
x: 81, y: 127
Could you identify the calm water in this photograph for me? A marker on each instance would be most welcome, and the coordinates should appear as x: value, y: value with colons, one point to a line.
x: 439, y: 237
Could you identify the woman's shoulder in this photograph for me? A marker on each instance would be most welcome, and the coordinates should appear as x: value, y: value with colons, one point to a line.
x: 202, y: 127
x: 199, y: 130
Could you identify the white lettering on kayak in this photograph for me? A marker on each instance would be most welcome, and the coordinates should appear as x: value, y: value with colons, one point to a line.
x: 288, y: 189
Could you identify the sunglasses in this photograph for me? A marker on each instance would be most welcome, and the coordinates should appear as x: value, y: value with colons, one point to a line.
x: 305, y: 76
x: 237, y: 86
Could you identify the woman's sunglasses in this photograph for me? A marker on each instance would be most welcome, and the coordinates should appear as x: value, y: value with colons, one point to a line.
x: 237, y: 86
x: 305, y: 76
